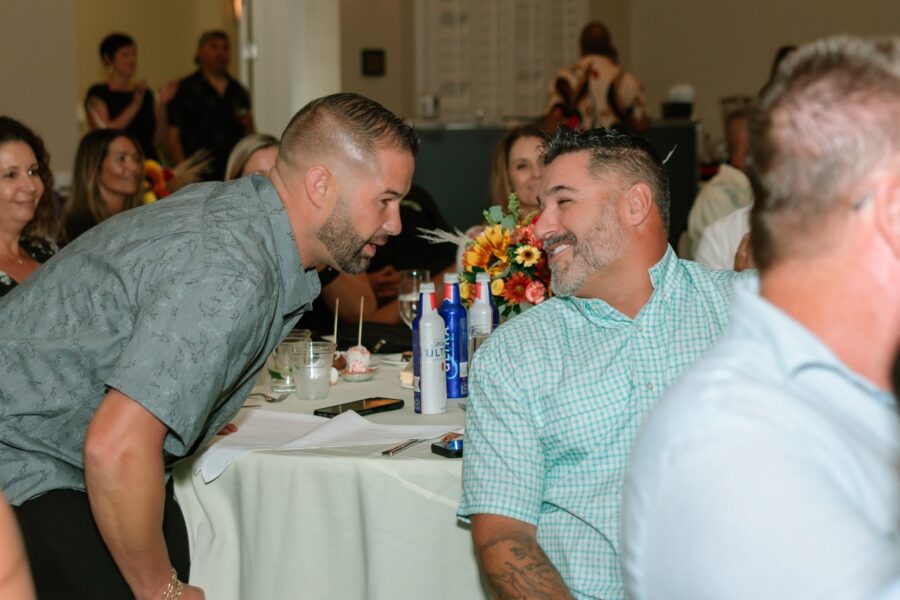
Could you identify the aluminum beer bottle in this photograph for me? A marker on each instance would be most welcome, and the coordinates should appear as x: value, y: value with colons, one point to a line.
x: 456, y: 352
x: 483, y: 313
x: 430, y: 385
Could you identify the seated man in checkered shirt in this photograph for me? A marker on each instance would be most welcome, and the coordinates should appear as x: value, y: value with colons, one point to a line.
x: 557, y: 394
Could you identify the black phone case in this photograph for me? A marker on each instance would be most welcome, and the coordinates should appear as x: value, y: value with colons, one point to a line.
x: 442, y: 449
x: 322, y: 412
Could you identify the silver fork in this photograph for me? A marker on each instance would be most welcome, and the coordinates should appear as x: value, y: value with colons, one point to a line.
x: 269, y: 397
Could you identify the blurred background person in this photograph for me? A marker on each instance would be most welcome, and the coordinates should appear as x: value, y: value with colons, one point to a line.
x: 211, y: 110
x: 108, y: 178
x: 120, y: 103
x: 730, y: 189
x: 28, y: 229
x: 596, y: 91
x: 516, y: 167
x: 254, y: 154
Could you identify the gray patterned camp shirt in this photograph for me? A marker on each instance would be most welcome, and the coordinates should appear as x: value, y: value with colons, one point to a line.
x: 175, y: 304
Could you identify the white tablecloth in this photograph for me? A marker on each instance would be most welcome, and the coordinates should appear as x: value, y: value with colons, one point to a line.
x: 333, y: 523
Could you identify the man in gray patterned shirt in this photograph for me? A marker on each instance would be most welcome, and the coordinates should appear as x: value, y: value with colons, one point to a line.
x: 139, y: 341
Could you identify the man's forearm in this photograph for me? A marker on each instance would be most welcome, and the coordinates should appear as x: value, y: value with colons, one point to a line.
x: 513, y: 562
x: 125, y: 485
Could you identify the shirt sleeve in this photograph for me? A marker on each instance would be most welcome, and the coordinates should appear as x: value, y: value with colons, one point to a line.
x: 190, y: 344
x: 503, y: 464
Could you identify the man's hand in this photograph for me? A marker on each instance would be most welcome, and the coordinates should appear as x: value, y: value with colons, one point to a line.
x: 385, y: 283
x: 192, y: 593
x: 512, y: 561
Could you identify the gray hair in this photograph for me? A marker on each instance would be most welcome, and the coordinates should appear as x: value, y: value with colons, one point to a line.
x: 829, y: 119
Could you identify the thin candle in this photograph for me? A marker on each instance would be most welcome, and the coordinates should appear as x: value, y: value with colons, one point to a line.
x: 337, y: 304
x: 362, y: 301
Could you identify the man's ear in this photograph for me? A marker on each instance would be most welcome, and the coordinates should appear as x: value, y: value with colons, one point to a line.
x: 637, y: 204
x: 887, y: 212
x: 317, y: 182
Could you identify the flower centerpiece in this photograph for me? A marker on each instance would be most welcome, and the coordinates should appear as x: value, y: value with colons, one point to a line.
x: 160, y: 181
x: 514, y: 257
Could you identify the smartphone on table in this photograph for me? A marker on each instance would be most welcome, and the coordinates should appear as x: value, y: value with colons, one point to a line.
x: 450, y: 448
x: 368, y: 406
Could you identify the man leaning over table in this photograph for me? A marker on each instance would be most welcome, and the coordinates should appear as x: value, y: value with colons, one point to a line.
x: 140, y: 341
x: 771, y: 469
x: 558, y: 393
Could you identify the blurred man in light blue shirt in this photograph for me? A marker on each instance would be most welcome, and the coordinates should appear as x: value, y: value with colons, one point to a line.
x: 772, y: 468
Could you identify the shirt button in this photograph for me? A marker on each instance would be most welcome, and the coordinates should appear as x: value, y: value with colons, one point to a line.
x: 650, y: 387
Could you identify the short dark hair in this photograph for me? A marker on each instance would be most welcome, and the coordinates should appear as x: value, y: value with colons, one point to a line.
x: 829, y: 119
x: 596, y: 39
x: 113, y: 43
x: 212, y: 34
x: 347, y: 118
x: 615, y: 151
x: 44, y: 223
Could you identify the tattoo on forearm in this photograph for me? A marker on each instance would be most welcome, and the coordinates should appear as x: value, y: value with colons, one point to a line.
x: 517, y: 568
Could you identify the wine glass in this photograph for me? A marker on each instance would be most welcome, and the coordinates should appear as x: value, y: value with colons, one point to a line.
x: 408, y: 288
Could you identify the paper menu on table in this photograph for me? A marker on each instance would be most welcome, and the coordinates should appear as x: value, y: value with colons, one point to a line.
x: 270, y: 430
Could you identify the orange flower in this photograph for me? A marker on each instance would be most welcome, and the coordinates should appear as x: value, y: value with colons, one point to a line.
x: 496, y: 240
x: 476, y: 256
x: 497, y: 287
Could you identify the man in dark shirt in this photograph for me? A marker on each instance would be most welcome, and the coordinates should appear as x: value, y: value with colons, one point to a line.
x: 210, y: 110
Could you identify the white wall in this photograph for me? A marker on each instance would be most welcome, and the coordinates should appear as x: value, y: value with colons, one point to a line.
x: 299, y: 58
x: 38, y: 74
x: 385, y: 24
x: 724, y: 47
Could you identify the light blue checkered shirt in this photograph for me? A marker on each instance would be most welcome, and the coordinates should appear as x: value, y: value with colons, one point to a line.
x: 556, y: 398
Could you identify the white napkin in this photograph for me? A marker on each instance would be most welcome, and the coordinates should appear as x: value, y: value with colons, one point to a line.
x: 270, y: 430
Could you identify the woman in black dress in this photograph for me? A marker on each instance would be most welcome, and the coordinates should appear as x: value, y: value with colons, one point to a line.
x: 27, y: 226
x: 121, y: 104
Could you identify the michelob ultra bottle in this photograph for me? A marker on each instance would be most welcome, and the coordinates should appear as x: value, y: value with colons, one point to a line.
x: 457, y: 333
x: 483, y: 313
x: 429, y: 382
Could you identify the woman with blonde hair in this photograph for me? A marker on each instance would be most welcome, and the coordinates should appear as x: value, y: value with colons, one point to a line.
x: 516, y: 166
x: 108, y: 179
x: 254, y: 154
x: 28, y: 228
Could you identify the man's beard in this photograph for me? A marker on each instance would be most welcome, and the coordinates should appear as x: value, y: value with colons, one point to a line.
x: 345, y: 245
x: 600, y: 247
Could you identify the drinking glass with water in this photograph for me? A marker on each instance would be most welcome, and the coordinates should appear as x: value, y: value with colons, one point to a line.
x: 408, y: 288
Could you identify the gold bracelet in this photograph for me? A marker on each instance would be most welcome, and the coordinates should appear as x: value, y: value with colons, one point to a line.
x: 173, y: 588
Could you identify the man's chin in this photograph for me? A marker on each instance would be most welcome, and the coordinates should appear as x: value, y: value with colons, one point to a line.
x: 355, y: 267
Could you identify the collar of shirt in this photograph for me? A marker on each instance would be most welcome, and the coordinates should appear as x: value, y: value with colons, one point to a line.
x: 662, y: 276
x: 796, y: 347
x: 300, y: 285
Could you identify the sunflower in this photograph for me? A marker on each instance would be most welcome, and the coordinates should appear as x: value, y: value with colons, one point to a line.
x: 476, y: 255
x: 496, y: 240
x: 527, y: 255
